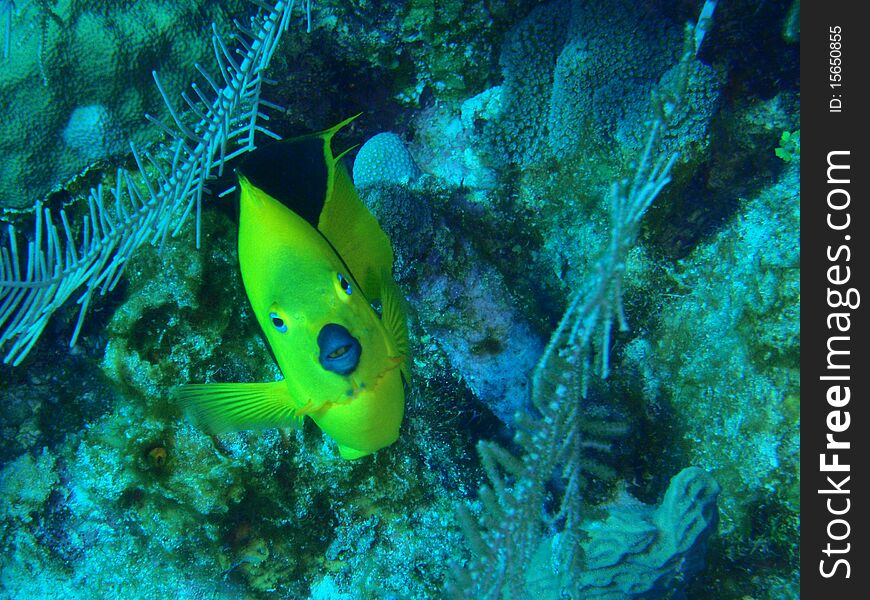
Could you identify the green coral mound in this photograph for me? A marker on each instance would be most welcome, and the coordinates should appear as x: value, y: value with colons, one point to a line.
x: 77, y: 82
x: 512, y: 122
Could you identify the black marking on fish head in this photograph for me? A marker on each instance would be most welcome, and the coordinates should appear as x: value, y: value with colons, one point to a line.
x: 294, y: 172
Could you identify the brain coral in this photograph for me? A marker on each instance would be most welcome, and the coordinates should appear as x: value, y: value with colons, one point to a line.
x: 384, y: 160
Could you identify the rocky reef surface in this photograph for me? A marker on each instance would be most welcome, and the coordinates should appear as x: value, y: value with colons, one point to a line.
x: 490, y: 137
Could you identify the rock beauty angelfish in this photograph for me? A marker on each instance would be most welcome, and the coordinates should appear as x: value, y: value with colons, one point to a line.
x: 313, y: 262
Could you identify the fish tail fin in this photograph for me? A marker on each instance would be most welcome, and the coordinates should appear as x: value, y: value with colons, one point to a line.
x: 223, y: 407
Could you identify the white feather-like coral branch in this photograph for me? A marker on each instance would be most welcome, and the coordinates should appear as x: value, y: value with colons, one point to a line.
x: 146, y: 207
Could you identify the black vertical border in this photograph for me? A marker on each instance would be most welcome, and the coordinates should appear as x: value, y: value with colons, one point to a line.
x: 824, y: 131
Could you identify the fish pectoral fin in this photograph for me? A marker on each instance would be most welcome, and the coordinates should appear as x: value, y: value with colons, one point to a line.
x: 309, y: 407
x: 223, y: 407
x: 396, y: 322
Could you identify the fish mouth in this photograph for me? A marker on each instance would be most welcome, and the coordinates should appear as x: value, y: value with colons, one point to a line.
x: 339, y: 350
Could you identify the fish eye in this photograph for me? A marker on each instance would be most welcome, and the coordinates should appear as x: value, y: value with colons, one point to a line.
x: 278, y: 322
x: 345, y: 284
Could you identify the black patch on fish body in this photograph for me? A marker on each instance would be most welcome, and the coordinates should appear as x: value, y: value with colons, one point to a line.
x: 294, y: 172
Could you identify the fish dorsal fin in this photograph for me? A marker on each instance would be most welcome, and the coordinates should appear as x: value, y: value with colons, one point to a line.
x: 304, y: 175
x: 223, y: 407
x: 355, y: 234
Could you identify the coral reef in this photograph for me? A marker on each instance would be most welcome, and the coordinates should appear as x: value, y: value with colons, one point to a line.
x: 737, y: 300
x: 384, y: 160
x: 169, y: 183
x: 638, y: 550
x: 67, y: 57
x: 571, y: 87
x: 503, y: 151
x: 462, y: 303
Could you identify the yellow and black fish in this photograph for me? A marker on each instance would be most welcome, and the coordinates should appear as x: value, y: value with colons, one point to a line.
x: 313, y: 261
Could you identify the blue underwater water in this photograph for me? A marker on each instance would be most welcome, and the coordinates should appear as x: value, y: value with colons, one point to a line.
x: 594, y: 212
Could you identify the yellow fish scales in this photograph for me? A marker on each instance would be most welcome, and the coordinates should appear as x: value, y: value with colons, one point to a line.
x: 314, y: 263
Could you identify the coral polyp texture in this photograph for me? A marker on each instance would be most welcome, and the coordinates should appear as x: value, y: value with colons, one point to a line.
x: 593, y: 216
x: 65, y: 57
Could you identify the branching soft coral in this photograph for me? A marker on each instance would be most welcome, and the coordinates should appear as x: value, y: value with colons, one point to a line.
x: 220, y: 123
x: 515, y: 519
